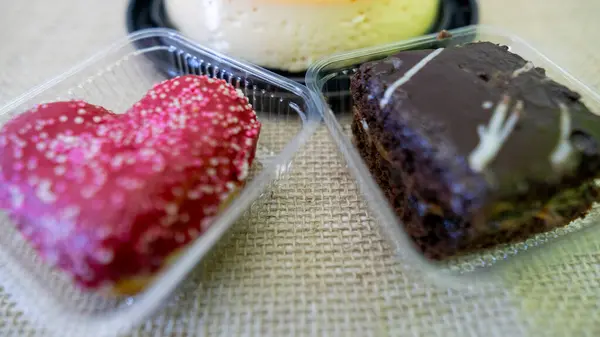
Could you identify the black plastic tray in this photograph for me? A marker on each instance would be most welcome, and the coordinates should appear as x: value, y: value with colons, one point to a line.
x: 144, y: 14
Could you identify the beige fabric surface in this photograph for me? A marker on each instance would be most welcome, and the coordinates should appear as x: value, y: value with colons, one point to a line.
x: 309, y: 261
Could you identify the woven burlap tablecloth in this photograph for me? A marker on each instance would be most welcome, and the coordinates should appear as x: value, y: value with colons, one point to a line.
x: 309, y: 260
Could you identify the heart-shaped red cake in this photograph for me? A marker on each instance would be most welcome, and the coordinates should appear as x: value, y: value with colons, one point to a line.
x: 110, y: 198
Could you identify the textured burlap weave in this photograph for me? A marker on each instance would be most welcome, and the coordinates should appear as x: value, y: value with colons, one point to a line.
x: 308, y: 260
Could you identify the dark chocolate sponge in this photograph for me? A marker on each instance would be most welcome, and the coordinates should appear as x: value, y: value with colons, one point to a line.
x: 474, y: 146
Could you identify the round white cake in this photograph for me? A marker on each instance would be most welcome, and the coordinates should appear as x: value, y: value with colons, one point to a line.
x: 291, y: 34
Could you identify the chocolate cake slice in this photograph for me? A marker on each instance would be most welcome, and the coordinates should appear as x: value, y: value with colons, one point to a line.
x: 474, y: 146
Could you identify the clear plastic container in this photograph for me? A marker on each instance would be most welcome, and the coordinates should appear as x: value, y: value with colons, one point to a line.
x: 333, y: 74
x: 116, y: 78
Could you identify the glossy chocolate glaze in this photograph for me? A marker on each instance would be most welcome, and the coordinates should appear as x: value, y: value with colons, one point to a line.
x: 428, y: 128
x: 438, y: 111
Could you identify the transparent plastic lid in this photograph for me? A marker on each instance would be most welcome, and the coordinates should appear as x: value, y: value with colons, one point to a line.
x: 116, y: 78
x: 503, y: 263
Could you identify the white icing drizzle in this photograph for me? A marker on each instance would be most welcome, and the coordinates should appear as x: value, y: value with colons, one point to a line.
x: 564, y: 148
x: 364, y: 124
x: 492, y: 137
x: 527, y: 67
x: 407, y: 76
x: 487, y: 105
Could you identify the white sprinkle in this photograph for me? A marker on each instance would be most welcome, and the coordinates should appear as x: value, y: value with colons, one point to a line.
x: 117, y: 161
x: 249, y: 141
x: 16, y: 197
x: 230, y: 186
x: 88, y: 192
x: 193, y: 195
x: 243, y: 171
x: 130, y: 183
x: 63, y: 118
x: 171, y: 208
x: 168, y: 221
x: 213, y: 161
x: 68, y: 139
x: 211, y: 172
x: 206, y: 222
x: 527, y: 67
x: 492, y: 137
x: 70, y: 213
x: 407, y: 76
x: 61, y: 159
x: 40, y: 146
x: 78, y: 120
x: 44, y: 192
x: 364, y: 124
x: 564, y: 148
x: 103, y: 232
x: 487, y: 105
x: 104, y: 256
x: 81, y: 111
x: 147, y: 152
x: 32, y: 164
x: 210, y: 210
x: 60, y: 170
x: 193, y: 233
x: 33, y: 180
x: 207, y: 189
x: 179, y: 237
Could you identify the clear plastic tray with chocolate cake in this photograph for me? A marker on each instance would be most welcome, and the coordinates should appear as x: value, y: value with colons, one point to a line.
x: 474, y: 151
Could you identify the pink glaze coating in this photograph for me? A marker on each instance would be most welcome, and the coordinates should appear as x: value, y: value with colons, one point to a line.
x: 107, y: 197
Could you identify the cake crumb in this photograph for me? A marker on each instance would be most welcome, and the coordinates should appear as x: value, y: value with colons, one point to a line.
x: 444, y: 34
